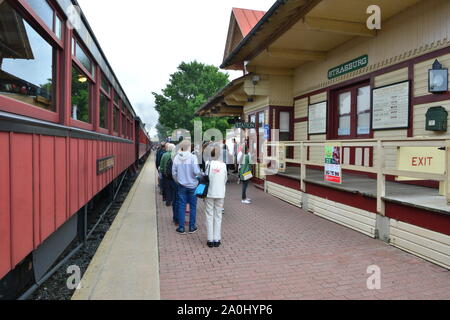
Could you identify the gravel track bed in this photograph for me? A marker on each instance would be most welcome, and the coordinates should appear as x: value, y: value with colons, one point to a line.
x: 55, y: 288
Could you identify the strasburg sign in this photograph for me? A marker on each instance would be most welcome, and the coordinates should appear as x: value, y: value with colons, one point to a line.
x: 348, y: 67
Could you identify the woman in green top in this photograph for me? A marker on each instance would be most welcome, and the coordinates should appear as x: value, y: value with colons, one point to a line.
x: 245, y: 167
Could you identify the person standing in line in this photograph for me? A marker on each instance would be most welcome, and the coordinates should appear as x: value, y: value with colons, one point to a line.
x: 167, y: 178
x: 235, y: 155
x: 244, y: 168
x: 216, y: 169
x: 159, y: 154
x: 173, y: 186
x: 186, y: 173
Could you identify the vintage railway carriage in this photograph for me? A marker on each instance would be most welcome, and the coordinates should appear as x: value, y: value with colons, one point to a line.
x: 67, y: 132
x: 317, y: 77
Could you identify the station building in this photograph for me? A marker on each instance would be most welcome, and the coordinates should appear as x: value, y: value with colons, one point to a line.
x: 315, y: 71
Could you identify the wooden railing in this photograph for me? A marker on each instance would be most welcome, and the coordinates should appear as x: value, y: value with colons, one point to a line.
x: 380, y: 169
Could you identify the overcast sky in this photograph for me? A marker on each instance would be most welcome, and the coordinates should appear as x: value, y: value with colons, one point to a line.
x: 146, y: 40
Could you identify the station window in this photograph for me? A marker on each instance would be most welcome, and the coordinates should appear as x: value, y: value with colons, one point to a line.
x: 27, y: 61
x: 354, y: 112
x: 345, y: 104
x: 48, y: 15
x: 81, y: 88
x: 364, y: 110
x: 285, y: 126
x: 261, y: 122
x: 104, y: 102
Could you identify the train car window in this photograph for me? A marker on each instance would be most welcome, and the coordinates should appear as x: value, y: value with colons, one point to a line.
x: 58, y: 27
x: 104, y: 111
x: 43, y: 10
x: 105, y: 85
x: 124, y: 125
x: 27, y: 61
x: 84, y: 59
x: 81, y: 88
x: 115, y: 119
x: 116, y: 98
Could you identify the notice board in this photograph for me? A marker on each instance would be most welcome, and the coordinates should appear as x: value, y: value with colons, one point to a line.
x: 391, y: 107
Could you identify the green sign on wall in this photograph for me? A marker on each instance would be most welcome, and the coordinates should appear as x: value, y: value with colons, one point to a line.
x: 348, y: 67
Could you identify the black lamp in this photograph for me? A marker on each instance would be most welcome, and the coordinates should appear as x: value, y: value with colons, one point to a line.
x: 437, y: 78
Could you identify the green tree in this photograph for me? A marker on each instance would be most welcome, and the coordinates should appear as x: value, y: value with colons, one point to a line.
x: 188, y: 89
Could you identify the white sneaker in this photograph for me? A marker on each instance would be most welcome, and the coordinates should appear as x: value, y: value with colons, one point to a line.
x: 249, y: 200
x: 246, y: 202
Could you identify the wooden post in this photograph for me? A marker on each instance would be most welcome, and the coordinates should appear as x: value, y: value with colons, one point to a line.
x: 302, y: 167
x: 381, y: 179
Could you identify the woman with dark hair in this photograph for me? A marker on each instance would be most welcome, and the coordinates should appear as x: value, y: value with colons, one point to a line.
x: 245, y: 167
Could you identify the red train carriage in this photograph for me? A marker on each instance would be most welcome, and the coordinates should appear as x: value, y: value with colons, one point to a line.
x: 67, y: 133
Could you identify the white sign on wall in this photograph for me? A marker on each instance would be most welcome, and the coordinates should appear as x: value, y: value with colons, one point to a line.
x: 391, y: 107
x: 317, y: 118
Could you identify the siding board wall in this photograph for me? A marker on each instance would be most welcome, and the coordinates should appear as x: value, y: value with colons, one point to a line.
x: 427, y: 244
x: 46, y: 180
x: 5, y: 218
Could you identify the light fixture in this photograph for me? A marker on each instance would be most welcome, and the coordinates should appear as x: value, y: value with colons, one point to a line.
x: 82, y: 79
x: 255, y: 79
x: 437, y: 78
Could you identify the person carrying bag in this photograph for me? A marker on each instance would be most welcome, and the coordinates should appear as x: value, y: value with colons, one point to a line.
x: 215, y: 199
x: 245, y: 175
x: 203, y: 187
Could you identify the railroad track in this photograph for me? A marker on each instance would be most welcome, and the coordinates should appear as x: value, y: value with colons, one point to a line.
x: 53, y: 286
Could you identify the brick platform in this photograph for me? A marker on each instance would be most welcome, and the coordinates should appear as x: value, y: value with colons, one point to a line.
x: 272, y: 250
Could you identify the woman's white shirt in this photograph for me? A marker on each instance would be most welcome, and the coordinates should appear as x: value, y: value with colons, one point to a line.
x: 218, y: 177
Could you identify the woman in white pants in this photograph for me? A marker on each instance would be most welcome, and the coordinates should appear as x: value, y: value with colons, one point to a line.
x: 216, y: 169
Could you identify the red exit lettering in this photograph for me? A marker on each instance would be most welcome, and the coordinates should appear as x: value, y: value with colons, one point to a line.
x: 421, y: 161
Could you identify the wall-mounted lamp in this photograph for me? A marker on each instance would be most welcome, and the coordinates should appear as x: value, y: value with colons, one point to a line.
x: 255, y: 79
x: 437, y: 78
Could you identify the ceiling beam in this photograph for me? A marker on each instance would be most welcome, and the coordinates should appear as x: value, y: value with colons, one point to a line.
x: 233, y: 102
x: 270, y: 71
x: 239, y: 97
x: 301, y: 55
x: 338, y: 26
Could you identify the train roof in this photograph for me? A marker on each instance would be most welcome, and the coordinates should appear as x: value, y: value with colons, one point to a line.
x: 88, y: 38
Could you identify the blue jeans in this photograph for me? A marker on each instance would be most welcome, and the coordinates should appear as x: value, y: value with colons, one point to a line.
x: 186, y: 196
x: 175, y: 203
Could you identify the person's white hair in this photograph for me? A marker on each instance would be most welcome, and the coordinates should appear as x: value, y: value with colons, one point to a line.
x: 170, y: 147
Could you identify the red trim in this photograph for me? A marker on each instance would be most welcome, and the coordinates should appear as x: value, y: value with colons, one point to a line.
x: 298, y: 120
x: 258, y: 181
x: 411, y: 104
x: 285, y: 182
x: 81, y: 125
x: 347, y: 198
x: 431, y: 98
x: 422, y: 218
x: 36, y: 22
x: 17, y: 107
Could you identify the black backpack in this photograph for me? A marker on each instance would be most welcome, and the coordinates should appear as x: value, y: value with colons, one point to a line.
x: 169, y: 166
